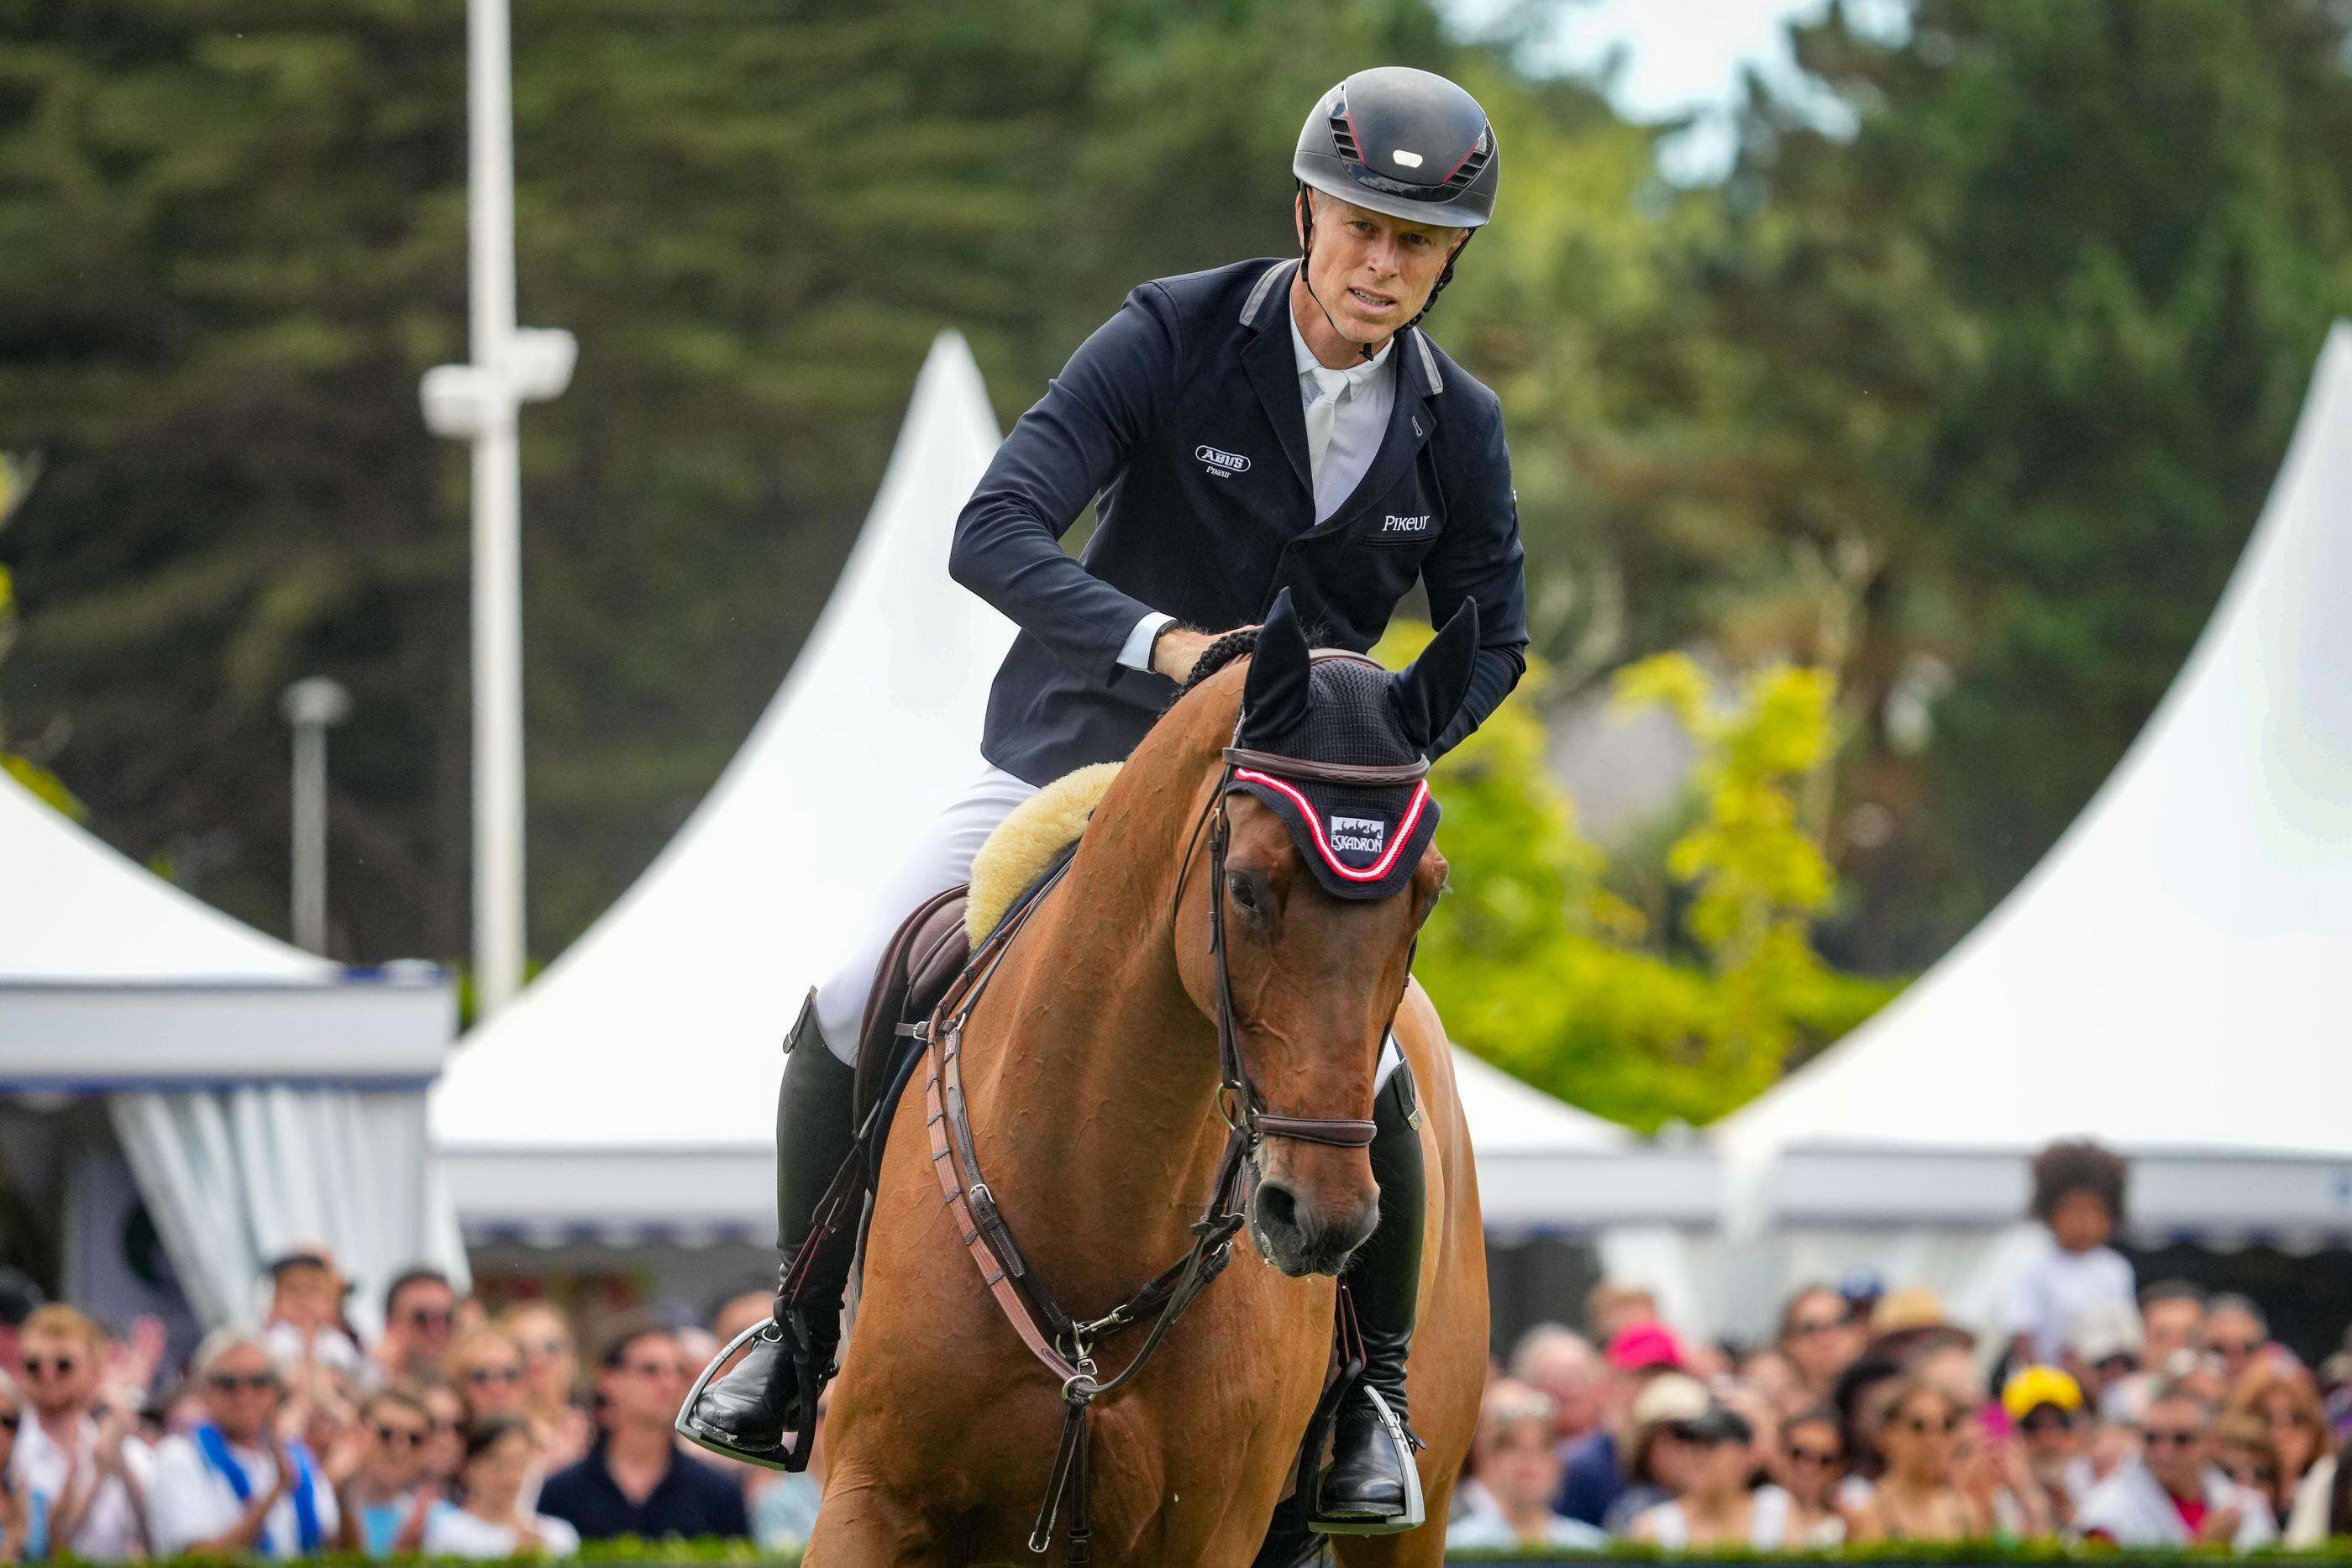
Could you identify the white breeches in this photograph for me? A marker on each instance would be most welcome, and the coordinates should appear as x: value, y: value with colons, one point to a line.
x: 939, y: 856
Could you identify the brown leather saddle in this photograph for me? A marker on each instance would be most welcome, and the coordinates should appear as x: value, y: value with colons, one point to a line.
x: 924, y: 957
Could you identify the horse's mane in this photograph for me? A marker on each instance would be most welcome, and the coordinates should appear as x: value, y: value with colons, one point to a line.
x: 1232, y: 645
x: 1216, y: 656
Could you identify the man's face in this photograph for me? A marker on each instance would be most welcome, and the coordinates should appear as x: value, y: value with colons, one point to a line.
x: 423, y: 1316
x: 396, y: 1437
x: 1571, y: 1376
x: 648, y: 1383
x: 2233, y: 1338
x: 2169, y: 1327
x: 241, y: 1392
x: 60, y: 1373
x: 2180, y: 1441
x: 1372, y: 272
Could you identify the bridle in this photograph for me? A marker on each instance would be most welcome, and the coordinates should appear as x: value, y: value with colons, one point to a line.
x: 1060, y: 1342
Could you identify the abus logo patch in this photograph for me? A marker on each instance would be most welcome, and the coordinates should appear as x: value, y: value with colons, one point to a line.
x: 1392, y: 524
x: 1222, y: 463
x: 1365, y: 835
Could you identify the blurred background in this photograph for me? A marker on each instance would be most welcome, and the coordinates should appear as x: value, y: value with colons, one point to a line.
x: 1892, y: 387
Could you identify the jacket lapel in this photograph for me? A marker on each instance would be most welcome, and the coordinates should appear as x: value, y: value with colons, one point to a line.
x: 1274, y: 370
x: 1412, y: 416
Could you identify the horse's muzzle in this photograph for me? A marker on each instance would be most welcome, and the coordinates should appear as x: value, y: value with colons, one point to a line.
x: 1301, y: 1237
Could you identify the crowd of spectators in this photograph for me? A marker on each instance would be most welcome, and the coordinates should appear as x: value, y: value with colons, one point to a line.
x: 458, y: 1432
x: 2096, y: 1412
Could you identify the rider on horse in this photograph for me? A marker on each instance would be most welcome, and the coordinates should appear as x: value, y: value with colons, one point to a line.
x: 1266, y: 426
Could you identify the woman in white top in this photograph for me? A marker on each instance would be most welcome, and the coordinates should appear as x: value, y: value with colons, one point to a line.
x: 492, y: 1523
x: 1516, y: 1467
x: 1715, y: 1507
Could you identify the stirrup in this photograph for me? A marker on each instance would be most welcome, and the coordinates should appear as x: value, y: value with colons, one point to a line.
x: 810, y: 1379
x: 1415, y: 1513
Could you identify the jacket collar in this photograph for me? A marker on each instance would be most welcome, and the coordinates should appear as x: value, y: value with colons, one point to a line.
x: 1273, y: 372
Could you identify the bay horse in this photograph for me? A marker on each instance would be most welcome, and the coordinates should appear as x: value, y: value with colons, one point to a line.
x: 1091, y: 1073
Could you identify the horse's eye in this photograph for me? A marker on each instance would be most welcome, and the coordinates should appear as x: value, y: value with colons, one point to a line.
x: 1244, y: 893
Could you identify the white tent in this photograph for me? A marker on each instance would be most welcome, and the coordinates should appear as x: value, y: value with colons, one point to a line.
x: 632, y: 1087
x: 262, y: 1095
x: 2172, y: 980
x: 631, y: 1091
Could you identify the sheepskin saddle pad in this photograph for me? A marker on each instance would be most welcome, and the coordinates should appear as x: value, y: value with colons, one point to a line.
x: 1026, y: 843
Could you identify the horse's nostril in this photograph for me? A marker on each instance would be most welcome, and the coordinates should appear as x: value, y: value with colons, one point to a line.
x: 1277, y: 1207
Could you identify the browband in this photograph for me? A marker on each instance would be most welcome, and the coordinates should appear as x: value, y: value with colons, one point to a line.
x: 1363, y: 773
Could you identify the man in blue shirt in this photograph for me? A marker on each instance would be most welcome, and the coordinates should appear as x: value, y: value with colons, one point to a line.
x: 1268, y: 426
x: 634, y: 1481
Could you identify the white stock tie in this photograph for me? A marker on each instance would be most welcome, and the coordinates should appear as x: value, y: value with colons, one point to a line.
x: 1331, y: 388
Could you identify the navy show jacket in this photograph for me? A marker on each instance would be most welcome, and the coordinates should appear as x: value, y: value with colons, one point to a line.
x: 1181, y: 416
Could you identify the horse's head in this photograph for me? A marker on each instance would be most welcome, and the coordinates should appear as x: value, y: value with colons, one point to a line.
x: 1328, y: 873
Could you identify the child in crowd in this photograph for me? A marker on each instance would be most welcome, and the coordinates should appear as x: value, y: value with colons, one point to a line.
x: 2078, y: 1195
x: 492, y: 1522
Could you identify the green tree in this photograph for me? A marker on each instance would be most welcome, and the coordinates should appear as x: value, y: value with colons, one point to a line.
x: 2020, y: 352
x: 1536, y: 965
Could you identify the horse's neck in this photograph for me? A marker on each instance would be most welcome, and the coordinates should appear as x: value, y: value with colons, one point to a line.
x: 1092, y: 1092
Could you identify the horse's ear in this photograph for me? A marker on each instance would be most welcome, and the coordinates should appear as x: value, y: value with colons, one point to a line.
x: 1428, y: 693
x: 1274, y: 696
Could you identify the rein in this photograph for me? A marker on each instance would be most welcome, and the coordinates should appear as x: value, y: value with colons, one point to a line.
x: 1062, y: 1344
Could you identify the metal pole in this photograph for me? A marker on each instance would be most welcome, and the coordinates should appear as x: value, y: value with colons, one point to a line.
x: 497, y: 518
x: 511, y: 365
x: 309, y: 891
x: 312, y: 707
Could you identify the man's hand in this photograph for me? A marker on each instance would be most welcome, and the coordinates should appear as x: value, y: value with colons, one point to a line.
x: 1177, y: 649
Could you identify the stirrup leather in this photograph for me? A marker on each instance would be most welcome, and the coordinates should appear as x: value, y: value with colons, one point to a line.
x: 1400, y: 1443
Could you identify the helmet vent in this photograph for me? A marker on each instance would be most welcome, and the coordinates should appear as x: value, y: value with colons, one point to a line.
x: 1343, y: 136
x: 1472, y: 166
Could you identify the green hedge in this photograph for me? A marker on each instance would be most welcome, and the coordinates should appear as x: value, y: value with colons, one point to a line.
x: 675, y: 1554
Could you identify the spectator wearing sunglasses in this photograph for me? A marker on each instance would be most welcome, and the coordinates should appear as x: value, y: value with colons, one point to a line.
x: 2237, y: 1335
x: 635, y: 1481
x: 2078, y: 1197
x: 1714, y: 1506
x: 550, y: 1381
x: 1808, y: 1463
x: 75, y: 1459
x: 385, y: 1500
x: 2177, y: 1496
x: 2104, y: 1347
x: 2285, y: 1406
x: 1820, y: 1335
x: 420, y: 1316
x: 235, y: 1487
x: 445, y: 1450
x: 2174, y: 1496
x: 2049, y: 1415
x: 1918, y: 1498
x: 486, y: 1369
x: 24, y: 1529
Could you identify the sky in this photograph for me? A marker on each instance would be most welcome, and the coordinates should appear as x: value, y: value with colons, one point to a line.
x: 1679, y: 56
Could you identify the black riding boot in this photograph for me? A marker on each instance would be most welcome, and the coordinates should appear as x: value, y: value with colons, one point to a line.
x: 773, y: 1391
x: 1372, y: 1488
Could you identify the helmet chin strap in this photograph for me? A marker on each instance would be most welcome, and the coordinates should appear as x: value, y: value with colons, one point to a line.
x: 1306, y: 269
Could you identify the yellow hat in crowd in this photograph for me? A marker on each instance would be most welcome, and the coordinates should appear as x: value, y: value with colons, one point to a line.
x: 2037, y: 1386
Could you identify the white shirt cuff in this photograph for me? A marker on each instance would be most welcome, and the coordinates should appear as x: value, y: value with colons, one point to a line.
x: 1136, y: 652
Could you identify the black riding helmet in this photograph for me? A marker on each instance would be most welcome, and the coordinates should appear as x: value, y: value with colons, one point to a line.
x: 1404, y: 143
